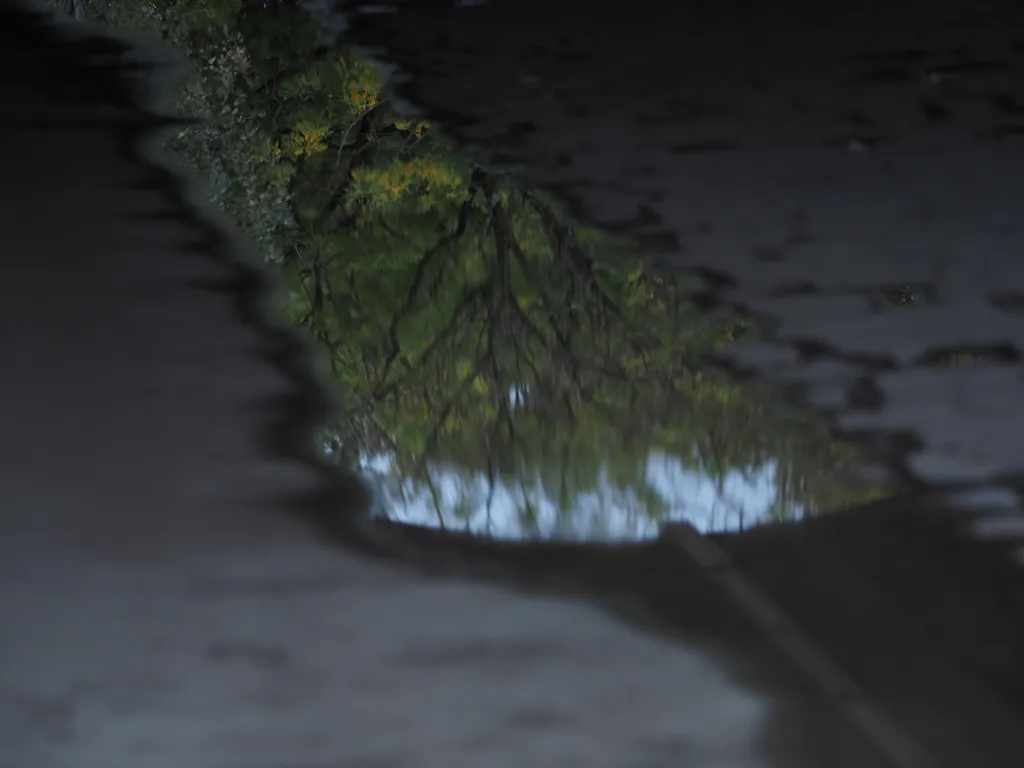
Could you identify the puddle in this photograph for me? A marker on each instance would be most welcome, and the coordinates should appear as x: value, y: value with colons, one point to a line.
x: 499, y: 368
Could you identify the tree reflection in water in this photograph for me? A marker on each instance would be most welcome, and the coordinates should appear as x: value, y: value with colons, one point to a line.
x: 498, y: 367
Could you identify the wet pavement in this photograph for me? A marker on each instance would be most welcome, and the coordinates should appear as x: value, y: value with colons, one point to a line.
x: 187, y: 577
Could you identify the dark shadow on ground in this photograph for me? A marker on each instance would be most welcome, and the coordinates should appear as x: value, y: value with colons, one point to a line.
x: 926, y: 620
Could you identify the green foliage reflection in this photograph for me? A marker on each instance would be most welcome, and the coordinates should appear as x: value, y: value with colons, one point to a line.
x: 480, y: 340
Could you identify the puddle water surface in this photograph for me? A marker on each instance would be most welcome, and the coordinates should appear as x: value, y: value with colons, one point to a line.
x: 499, y: 367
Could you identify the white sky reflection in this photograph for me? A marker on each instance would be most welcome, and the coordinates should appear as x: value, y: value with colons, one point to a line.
x: 606, y: 512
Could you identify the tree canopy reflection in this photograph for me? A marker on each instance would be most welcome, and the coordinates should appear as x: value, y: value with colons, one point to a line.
x: 498, y: 367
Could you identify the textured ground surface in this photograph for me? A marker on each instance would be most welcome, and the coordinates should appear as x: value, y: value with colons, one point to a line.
x: 163, y: 602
